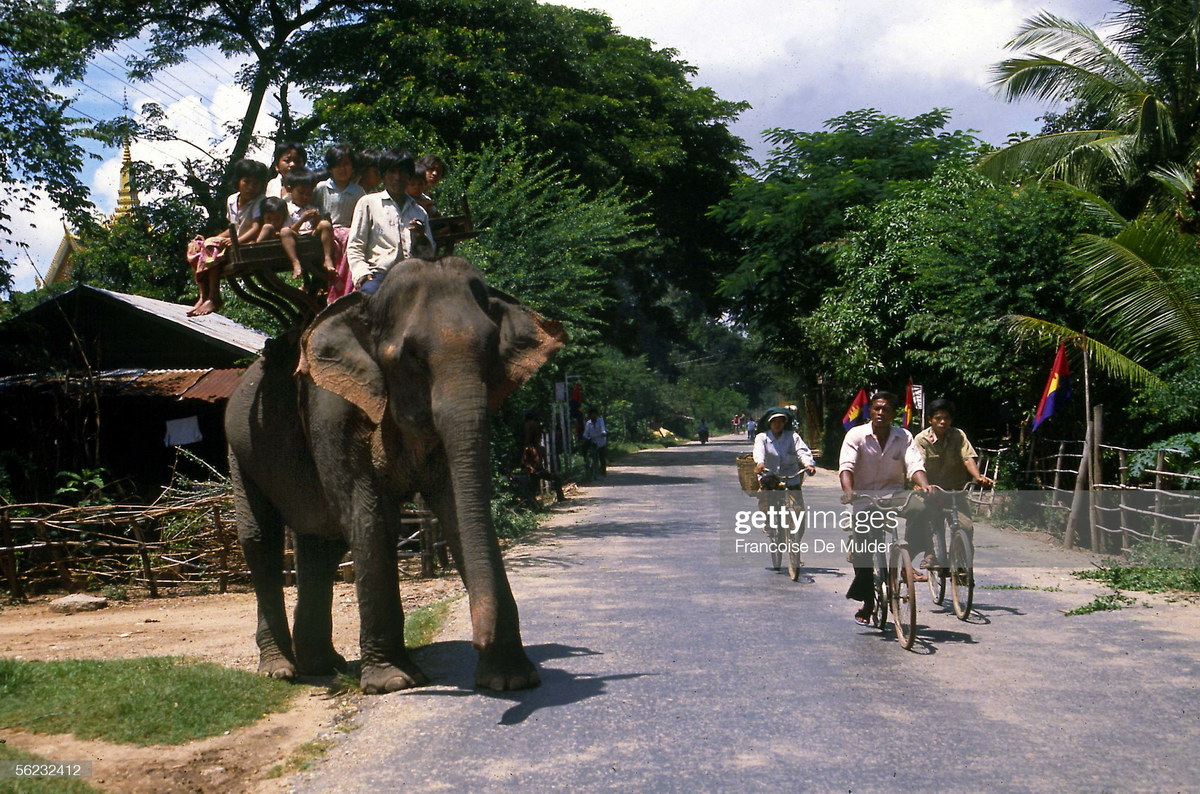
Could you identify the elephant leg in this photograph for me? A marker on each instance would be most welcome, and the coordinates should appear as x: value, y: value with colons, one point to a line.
x: 312, y: 632
x: 496, y: 632
x: 260, y: 532
x: 386, y: 665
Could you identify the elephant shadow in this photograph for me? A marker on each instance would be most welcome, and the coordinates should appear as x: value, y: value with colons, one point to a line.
x: 454, y: 662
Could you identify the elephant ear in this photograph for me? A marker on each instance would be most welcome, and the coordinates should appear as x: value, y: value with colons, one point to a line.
x: 335, y: 355
x: 527, y: 341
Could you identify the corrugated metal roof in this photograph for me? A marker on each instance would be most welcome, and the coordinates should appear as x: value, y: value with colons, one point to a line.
x: 164, y: 382
x: 214, y: 325
x: 216, y: 384
x: 210, y: 385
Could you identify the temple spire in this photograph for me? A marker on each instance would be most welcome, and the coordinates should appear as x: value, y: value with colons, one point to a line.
x: 128, y: 197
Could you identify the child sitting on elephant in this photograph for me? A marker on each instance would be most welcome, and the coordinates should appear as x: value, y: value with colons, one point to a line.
x: 305, y: 218
x: 243, y: 210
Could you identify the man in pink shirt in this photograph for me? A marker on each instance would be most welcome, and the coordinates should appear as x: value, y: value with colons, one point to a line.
x: 879, y: 458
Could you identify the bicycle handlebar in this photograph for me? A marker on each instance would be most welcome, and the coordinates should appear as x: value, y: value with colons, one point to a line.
x: 878, y: 502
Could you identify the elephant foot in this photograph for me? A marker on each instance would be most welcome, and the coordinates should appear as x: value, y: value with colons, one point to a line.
x: 378, y: 679
x: 328, y: 662
x: 505, y: 670
x: 276, y: 667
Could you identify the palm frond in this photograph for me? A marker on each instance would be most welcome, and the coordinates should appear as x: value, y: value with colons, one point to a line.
x: 1047, y: 334
x: 1088, y: 164
x: 1065, y: 60
x: 1176, y: 179
x: 1093, y: 205
x: 1037, y: 155
x: 1133, y: 282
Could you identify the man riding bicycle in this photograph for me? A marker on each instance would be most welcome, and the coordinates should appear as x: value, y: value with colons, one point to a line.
x: 949, y: 464
x: 879, y: 458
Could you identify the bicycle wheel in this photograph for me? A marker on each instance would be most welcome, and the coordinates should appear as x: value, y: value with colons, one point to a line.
x: 904, y: 597
x: 778, y: 538
x: 962, y: 574
x: 879, y: 614
x: 796, y: 505
x: 937, y: 576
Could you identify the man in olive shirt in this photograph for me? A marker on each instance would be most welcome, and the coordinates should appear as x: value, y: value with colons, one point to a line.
x: 949, y: 461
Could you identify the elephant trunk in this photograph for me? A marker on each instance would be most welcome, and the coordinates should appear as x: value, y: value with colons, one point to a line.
x: 463, y: 424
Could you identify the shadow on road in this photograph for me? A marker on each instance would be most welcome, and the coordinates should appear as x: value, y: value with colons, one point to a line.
x: 453, y: 664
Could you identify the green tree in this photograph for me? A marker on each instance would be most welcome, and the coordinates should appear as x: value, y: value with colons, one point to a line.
x: 1137, y: 277
x: 783, y: 218
x: 141, y: 252
x: 926, y: 282
x: 1143, y: 84
x: 611, y: 107
x: 39, y: 152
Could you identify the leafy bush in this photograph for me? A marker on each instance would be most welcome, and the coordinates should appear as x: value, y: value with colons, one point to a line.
x: 1182, y: 455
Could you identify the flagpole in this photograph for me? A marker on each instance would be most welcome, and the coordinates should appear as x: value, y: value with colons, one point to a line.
x: 1087, y: 384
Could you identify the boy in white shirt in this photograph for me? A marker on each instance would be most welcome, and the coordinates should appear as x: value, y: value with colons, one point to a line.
x: 305, y: 218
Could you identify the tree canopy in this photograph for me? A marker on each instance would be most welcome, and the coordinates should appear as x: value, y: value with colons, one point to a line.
x: 784, y: 218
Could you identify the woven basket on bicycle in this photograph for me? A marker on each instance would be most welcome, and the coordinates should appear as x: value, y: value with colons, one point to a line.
x: 746, y: 476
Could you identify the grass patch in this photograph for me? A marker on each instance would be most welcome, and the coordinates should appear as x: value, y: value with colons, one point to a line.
x: 153, y: 700
x: 304, y: 756
x: 44, y: 785
x: 422, y: 625
x: 1021, y: 587
x: 1151, y: 579
x: 1102, y: 603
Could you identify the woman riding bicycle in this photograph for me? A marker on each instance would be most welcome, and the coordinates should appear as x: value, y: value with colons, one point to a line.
x: 781, y: 458
x: 780, y: 452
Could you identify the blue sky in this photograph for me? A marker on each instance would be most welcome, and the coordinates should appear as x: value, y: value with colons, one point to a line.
x: 797, y: 62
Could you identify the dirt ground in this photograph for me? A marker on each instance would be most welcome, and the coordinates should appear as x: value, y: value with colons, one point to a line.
x: 210, y: 628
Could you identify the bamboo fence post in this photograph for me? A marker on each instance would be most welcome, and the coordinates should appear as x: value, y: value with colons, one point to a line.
x: 15, y: 590
x: 1077, y: 498
x: 1058, y: 468
x: 64, y: 571
x: 223, y: 553
x: 1123, y: 478
x: 1160, y: 460
x: 141, y: 544
x: 427, y: 554
x: 1099, y: 542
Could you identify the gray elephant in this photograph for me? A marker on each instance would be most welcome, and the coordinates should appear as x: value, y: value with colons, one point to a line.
x: 383, y: 397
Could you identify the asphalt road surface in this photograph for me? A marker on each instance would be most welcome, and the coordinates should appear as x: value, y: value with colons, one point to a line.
x: 671, y: 662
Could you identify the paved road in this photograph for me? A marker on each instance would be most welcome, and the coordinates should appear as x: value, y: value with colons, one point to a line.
x: 671, y: 664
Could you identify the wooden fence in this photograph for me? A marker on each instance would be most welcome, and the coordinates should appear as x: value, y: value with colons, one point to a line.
x: 188, y: 537
x: 1108, y: 508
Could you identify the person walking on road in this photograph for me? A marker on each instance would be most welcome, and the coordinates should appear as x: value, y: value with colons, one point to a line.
x: 596, y: 433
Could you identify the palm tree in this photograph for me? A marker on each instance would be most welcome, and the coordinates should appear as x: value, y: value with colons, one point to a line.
x: 1143, y: 81
x: 1142, y: 278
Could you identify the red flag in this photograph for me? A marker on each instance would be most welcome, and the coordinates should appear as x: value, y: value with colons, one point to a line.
x: 854, y: 414
x: 1058, y: 388
x: 909, y: 411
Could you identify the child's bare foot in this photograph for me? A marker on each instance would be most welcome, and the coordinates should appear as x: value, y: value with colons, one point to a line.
x: 297, y: 270
x: 206, y: 307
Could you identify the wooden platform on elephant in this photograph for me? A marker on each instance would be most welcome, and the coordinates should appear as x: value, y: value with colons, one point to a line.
x: 242, y: 259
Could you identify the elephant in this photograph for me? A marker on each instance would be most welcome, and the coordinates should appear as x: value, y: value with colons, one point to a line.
x: 382, y: 397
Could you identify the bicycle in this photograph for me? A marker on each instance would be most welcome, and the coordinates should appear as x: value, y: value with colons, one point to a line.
x: 961, y: 570
x: 782, y: 537
x: 894, y: 576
